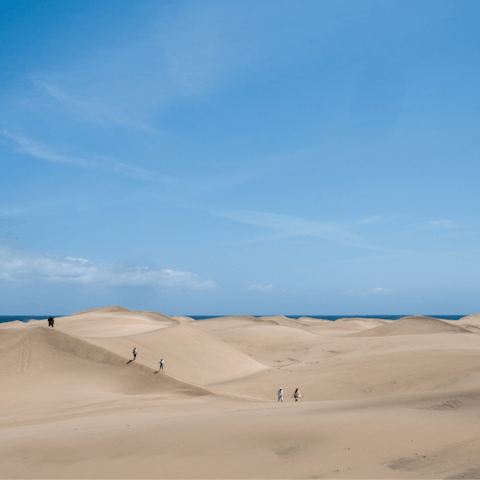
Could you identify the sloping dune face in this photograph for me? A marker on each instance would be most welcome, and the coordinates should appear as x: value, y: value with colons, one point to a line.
x: 70, y: 368
x: 413, y: 325
x: 473, y: 319
x: 190, y: 355
x: 380, y: 398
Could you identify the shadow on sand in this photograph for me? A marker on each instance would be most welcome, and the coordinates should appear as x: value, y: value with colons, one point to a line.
x: 130, y: 361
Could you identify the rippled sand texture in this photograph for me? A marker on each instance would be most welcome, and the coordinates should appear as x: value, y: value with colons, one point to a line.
x: 381, y: 399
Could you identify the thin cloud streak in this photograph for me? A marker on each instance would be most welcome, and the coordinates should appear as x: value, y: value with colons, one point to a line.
x: 294, y: 226
x: 258, y: 287
x: 443, y: 224
x: 91, y: 110
x: 369, y: 220
x: 23, y: 266
x: 34, y: 149
x: 37, y: 150
x: 372, y: 291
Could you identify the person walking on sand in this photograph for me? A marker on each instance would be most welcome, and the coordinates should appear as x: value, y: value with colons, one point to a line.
x: 296, y: 395
x: 135, y: 353
x: 280, y: 395
x: 50, y: 322
x: 161, y: 365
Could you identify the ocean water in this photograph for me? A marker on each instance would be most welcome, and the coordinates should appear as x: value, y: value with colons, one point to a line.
x: 25, y: 318
x: 336, y: 317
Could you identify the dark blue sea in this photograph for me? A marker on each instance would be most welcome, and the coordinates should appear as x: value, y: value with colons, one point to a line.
x: 25, y: 318
x: 336, y: 317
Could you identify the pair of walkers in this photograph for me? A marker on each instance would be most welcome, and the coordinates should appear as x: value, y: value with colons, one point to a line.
x: 296, y: 395
x: 162, y: 362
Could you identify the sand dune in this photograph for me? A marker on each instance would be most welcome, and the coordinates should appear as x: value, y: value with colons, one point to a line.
x: 412, y: 325
x: 381, y: 399
x: 113, y: 321
x: 191, y: 355
x: 182, y: 318
x: 56, y: 358
x: 470, y: 319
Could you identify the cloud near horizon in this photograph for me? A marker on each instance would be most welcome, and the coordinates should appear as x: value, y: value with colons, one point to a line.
x: 23, y: 266
x: 372, y: 291
x: 257, y: 287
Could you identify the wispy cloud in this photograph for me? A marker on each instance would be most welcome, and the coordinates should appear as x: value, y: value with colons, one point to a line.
x: 38, y: 150
x: 442, y: 224
x: 10, y: 211
x: 369, y: 220
x: 372, y: 291
x: 24, y: 266
x: 379, y: 291
x: 92, y: 110
x: 258, y: 287
x: 27, y: 146
x: 294, y: 226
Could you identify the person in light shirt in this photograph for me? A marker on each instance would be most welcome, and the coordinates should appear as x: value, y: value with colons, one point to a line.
x: 280, y: 395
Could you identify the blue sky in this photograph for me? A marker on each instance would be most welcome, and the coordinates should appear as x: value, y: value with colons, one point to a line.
x: 256, y: 157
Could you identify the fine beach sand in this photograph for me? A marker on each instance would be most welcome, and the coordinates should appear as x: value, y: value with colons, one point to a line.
x: 381, y: 398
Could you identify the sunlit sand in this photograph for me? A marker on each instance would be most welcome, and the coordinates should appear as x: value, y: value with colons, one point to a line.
x: 380, y: 398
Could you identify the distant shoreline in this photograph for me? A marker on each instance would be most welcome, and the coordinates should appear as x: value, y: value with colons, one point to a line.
x: 26, y: 318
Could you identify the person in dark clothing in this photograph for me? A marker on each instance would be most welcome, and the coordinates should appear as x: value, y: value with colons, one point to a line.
x: 135, y: 353
x: 296, y: 395
x: 162, y: 363
x: 50, y: 322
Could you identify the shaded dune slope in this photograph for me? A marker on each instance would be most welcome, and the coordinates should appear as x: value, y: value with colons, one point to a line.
x: 190, y: 354
x: 43, y: 361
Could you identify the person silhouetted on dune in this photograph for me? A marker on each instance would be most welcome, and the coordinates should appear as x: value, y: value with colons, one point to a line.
x: 50, y: 322
x: 134, y: 353
x: 162, y: 363
x: 296, y: 395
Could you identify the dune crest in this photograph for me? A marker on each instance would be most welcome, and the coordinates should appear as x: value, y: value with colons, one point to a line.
x: 112, y: 309
x: 113, y: 322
